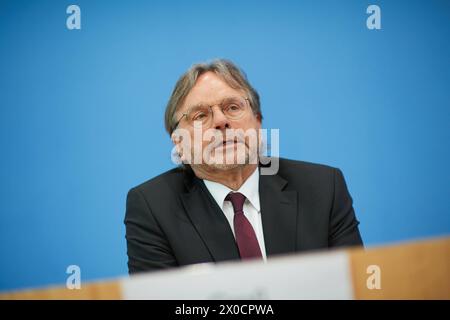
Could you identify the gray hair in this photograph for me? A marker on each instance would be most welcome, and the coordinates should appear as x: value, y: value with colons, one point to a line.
x: 226, y: 70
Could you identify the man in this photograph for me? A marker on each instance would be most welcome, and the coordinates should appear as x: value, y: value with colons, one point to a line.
x: 219, y: 205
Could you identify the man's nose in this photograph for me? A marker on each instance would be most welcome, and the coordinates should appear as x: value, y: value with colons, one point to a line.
x: 220, y: 121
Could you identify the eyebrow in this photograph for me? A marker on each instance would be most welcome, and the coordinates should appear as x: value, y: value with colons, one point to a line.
x: 198, y: 106
x: 202, y: 104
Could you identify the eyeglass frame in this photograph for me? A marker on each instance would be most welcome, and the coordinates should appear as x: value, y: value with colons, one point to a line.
x: 210, y: 108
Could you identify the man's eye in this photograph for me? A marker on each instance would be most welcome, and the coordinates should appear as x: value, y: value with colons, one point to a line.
x: 233, y: 107
x: 199, y: 116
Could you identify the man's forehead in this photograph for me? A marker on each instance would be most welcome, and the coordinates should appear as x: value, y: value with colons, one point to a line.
x: 209, y: 88
x: 210, y: 85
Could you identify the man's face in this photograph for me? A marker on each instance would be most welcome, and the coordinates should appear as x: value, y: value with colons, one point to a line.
x: 217, y: 147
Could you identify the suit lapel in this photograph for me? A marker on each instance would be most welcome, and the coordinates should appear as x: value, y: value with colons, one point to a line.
x: 279, y: 214
x: 209, y: 220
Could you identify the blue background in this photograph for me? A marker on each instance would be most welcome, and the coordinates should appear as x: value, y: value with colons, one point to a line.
x: 82, y: 113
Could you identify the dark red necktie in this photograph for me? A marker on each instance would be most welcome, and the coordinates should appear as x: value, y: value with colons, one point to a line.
x: 243, y: 230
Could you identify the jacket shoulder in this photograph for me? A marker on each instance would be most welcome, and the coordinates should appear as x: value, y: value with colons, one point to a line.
x: 171, y: 179
x: 304, y: 167
x: 307, y: 175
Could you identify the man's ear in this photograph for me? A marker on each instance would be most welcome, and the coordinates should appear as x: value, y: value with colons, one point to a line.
x: 176, y: 140
x: 181, y: 138
x: 259, y: 118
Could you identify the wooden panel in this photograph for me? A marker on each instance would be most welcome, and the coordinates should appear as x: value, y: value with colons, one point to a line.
x: 418, y: 270
x: 408, y: 271
x: 92, y: 291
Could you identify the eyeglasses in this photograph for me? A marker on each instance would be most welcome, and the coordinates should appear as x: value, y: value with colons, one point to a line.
x: 233, y: 108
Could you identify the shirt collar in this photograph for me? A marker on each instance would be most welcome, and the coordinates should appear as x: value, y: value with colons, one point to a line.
x: 250, y: 189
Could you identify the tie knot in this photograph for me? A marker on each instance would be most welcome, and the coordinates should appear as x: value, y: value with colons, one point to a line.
x: 237, y: 200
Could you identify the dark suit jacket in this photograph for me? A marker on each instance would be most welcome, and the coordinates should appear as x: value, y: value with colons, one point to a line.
x: 172, y: 219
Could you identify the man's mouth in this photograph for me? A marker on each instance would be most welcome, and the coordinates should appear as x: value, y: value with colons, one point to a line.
x: 230, y: 142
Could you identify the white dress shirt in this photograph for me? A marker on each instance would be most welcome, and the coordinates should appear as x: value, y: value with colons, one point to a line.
x: 252, y: 210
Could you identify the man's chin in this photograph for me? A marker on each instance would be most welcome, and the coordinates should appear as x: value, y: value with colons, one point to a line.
x: 223, y: 163
x: 225, y: 166
x: 222, y: 166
